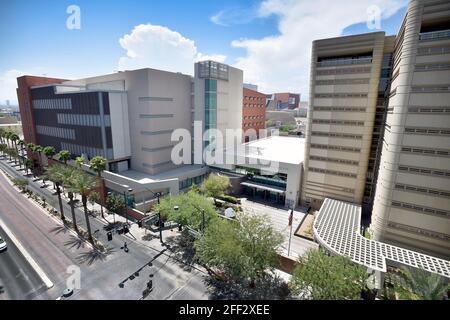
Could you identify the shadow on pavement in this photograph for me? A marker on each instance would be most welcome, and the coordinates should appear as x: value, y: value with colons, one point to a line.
x: 59, y: 229
x: 182, y: 248
x: 94, y: 255
x: 75, y: 242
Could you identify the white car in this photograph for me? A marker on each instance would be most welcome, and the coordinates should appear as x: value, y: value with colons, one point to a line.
x: 2, y: 244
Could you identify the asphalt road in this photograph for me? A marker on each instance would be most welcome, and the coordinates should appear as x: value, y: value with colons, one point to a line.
x: 57, y: 250
x: 19, y: 280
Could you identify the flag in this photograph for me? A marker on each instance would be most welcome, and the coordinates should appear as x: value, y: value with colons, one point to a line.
x: 291, y: 217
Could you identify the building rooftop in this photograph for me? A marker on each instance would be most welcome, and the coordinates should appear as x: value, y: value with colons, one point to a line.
x: 276, y: 148
x: 145, y: 178
x: 337, y: 228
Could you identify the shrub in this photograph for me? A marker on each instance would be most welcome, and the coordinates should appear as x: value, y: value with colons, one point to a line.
x: 229, y: 199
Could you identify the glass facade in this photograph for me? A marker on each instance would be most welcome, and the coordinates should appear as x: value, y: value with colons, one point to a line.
x: 210, y: 105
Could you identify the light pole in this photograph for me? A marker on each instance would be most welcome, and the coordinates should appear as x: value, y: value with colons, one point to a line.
x: 203, y: 216
x: 125, y: 196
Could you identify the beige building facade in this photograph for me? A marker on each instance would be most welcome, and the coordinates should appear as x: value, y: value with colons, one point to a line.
x: 412, y: 201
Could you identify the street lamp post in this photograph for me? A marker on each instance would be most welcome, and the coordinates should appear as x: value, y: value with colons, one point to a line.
x: 125, y: 196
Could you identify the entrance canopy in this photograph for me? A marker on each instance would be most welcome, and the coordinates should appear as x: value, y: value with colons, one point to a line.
x: 337, y: 228
x: 264, y: 187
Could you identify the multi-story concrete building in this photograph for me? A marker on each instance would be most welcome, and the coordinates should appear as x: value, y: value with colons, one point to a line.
x: 217, y: 99
x: 281, y: 101
x: 253, y: 114
x: 129, y: 117
x: 378, y: 127
x: 344, y: 90
x: 412, y: 201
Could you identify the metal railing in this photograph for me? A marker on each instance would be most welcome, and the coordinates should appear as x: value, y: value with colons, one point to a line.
x: 339, y: 62
x: 435, y: 35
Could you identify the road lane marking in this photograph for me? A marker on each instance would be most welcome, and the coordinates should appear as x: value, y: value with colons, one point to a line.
x: 27, y: 256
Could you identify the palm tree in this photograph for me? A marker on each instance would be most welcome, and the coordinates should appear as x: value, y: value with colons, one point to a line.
x: 84, y: 184
x: 64, y: 155
x: 98, y: 164
x: 49, y: 152
x: 68, y: 175
x: 2, y: 135
x: 14, y: 138
x: 422, y: 285
x: 21, y: 143
x: 29, y: 165
x: 3, y: 148
x: 8, y: 136
x: 38, y: 149
x: 56, y: 175
x: 80, y: 161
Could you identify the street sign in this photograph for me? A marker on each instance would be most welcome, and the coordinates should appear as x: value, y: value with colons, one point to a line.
x: 150, y: 220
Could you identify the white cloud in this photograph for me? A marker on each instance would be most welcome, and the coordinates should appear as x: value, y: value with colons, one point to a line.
x: 233, y: 16
x: 282, y: 62
x: 8, y: 85
x: 153, y: 46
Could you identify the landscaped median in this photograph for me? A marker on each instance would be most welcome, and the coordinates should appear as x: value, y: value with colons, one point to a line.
x: 45, y: 204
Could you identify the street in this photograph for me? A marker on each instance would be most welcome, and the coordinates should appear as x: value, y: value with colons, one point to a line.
x: 59, y: 252
x: 18, y: 278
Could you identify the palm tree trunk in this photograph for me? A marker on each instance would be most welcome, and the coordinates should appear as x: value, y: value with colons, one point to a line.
x: 86, y: 215
x: 101, y: 210
x: 58, y: 191
x: 72, y: 211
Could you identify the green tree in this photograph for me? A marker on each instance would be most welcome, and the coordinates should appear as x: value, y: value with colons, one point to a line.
x: 49, y: 152
x: 98, y: 164
x: 215, y: 185
x: 64, y: 156
x: 115, y: 203
x: 94, y: 197
x: 56, y: 175
x: 318, y: 276
x: 3, y: 148
x: 20, y: 183
x: 417, y: 284
x: 186, y: 209
x: 21, y: 143
x: 84, y: 184
x: 79, y: 161
x: 29, y: 165
x: 244, y: 250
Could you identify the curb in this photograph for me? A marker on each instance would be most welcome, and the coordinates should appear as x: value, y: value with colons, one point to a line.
x: 27, y: 256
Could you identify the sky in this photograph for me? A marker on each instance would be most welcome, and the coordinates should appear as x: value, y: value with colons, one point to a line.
x: 270, y: 40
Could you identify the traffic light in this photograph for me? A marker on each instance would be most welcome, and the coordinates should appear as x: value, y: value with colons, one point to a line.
x: 150, y: 284
x: 140, y: 223
x: 109, y: 235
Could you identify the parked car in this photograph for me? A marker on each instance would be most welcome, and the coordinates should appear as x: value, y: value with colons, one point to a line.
x: 2, y: 244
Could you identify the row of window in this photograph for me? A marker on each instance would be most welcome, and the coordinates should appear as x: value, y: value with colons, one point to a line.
x: 426, y: 131
x: 429, y: 109
x: 340, y: 109
x: 433, y: 50
x: 425, y: 171
x: 342, y: 82
x: 416, y: 189
x: 63, y: 103
x: 344, y: 61
x: 426, y: 210
x: 76, y: 149
x: 430, y: 89
x: 334, y: 160
x: 427, y: 152
x: 340, y: 95
x: 332, y: 172
x: 190, y: 181
x: 253, y: 124
x: 336, y: 148
x: 343, y: 71
x: 433, y: 66
x: 154, y: 133
x: 251, y: 98
x: 250, y: 105
x: 336, y: 135
x: 159, y: 99
x: 424, y: 232
x: 155, y: 116
x: 62, y: 133
x: 88, y: 120
x: 339, y: 122
x: 253, y: 117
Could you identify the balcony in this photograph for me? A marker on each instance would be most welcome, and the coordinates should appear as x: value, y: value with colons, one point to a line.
x: 435, y: 35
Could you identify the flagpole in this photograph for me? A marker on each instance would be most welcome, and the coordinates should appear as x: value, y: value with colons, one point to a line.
x: 291, y: 220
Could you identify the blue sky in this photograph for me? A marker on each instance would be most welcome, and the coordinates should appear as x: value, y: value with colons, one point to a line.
x: 35, y: 39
